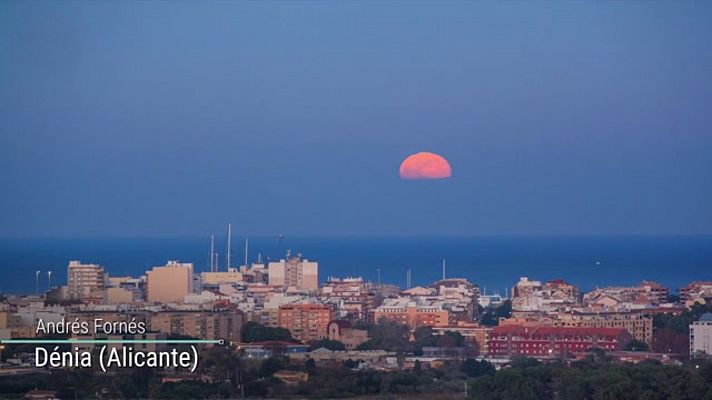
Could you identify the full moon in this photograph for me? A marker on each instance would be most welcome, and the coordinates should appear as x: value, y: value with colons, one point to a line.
x: 425, y: 165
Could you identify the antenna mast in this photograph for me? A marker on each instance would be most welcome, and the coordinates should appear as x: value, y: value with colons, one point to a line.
x: 229, y: 243
x: 247, y: 246
x: 443, y: 269
x: 212, y: 253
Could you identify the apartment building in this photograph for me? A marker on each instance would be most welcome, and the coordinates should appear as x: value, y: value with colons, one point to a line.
x: 549, y: 342
x: 86, y: 282
x: 306, y: 321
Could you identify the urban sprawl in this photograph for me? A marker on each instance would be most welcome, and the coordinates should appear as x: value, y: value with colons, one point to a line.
x: 279, y: 309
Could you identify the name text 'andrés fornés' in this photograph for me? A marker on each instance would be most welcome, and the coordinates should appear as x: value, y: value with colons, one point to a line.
x: 96, y: 326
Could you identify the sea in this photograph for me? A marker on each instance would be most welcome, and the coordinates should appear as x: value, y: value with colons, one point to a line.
x: 494, y: 263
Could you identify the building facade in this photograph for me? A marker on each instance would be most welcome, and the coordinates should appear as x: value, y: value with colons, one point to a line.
x: 86, y: 282
x: 169, y: 283
x: 217, y: 325
x: 305, y: 321
x: 294, y: 272
x: 413, y: 313
x: 550, y: 342
x: 343, y: 332
x: 701, y: 336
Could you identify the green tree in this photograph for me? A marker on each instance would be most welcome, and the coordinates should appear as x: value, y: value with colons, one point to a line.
x: 492, y: 316
x: 474, y: 368
x: 254, y: 332
x: 636, y: 345
x: 387, y: 335
x: 271, y: 365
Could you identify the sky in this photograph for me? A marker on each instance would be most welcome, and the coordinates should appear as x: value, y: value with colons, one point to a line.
x: 157, y: 119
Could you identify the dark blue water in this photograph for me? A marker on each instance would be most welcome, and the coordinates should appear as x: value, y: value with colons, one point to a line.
x: 491, y: 262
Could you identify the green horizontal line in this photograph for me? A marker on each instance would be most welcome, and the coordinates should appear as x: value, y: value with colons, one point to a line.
x: 110, y: 341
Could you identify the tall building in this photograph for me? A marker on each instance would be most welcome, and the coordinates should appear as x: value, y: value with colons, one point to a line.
x: 170, y: 283
x: 294, y: 272
x: 701, y: 336
x: 305, y: 321
x: 85, y: 282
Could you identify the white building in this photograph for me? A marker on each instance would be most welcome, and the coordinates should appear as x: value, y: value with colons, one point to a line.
x: 701, y: 336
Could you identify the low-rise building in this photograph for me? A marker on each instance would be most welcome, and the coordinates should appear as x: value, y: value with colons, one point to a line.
x: 550, y: 342
x: 412, y: 312
x: 343, y: 332
x: 696, y: 292
x: 200, y: 324
x: 638, y: 324
x: 475, y: 335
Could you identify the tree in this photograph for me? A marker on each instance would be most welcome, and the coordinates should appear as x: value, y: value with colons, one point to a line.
x: 423, y: 338
x: 271, y: 365
x: 492, y: 316
x: 451, y: 339
x: 310, y: 365
x: 636, y: 345
x: 387, y: 335
x: 254, y: 332
x: 474, y: 368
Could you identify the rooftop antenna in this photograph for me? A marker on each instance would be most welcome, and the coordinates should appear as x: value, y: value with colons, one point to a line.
x: 247, y: 246
x: 37, y: 282
x: 212, y: 253
x: 443, y: 269
x: 49, y: 280
x: 229, y: 243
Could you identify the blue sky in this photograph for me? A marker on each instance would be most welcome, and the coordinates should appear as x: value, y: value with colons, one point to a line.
x: 171, y: 119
